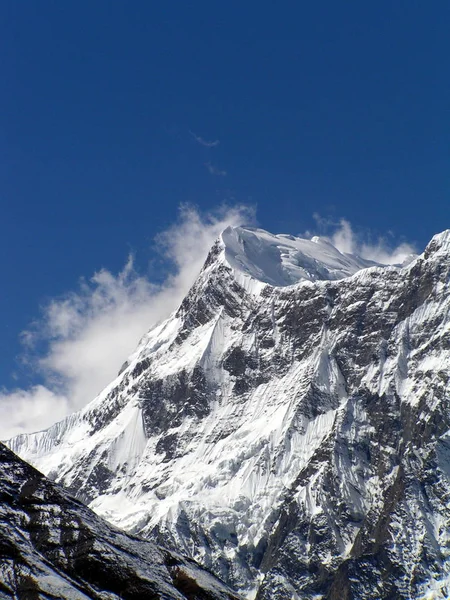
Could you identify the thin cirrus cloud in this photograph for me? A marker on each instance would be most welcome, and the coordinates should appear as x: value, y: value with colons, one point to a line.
x: 215, y: 170
x: 89, y: 333
x: 204, y: 142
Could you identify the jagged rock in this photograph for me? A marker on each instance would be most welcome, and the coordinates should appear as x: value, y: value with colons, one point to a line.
x: 288, y: 426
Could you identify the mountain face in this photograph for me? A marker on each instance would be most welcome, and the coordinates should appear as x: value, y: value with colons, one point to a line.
x: 53, y: 547
x: 288, y: 427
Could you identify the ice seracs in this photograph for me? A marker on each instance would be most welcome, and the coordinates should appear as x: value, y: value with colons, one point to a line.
x: 287, y: 426
x: 282, y: 260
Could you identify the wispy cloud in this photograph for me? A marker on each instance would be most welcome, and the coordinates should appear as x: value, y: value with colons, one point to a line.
x: 215, y: 170
x: 32, y: 409
x: 349, y: 240
x: 204, y: 142
x: 89, y: 332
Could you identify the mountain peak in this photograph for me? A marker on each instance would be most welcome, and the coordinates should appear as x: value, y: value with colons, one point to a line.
x: 293, y: 439
x: 282, y: 260
x: 440, y: 243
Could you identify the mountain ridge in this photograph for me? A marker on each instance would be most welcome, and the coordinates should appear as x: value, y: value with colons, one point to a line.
x: 272, y: 432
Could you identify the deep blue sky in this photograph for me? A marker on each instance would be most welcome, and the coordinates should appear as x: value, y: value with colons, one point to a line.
x: 329, y: 107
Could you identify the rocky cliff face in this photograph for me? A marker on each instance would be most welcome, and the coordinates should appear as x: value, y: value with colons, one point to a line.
x: 52, y: 546
x: 288, y: 427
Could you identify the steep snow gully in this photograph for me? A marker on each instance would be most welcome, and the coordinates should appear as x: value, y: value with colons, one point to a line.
x: 288, y: 427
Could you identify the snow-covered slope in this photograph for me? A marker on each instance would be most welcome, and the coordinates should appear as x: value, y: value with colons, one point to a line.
x: 53, y: 547
x: 288, y: 426
x: 282, y: 260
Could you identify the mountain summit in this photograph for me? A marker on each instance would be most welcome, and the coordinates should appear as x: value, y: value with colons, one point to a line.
x: 288, y: 426
x: 281, y: 260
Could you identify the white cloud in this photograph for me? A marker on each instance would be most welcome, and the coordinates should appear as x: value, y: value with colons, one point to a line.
x: 347, y: 240
x: 90, y: 332
x: 204, y: 142
x: 35, y: 408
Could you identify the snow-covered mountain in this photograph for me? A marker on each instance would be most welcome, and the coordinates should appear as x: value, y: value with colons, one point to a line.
x: 288, y: 427
x: 53, y: 547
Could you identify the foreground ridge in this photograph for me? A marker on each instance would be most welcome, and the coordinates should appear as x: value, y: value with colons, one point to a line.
x: 52, y: 546
x: 288, y: 426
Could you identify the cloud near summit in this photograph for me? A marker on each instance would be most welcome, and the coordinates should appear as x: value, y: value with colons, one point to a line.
x: 90, y: 332
x: 348, y: 240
